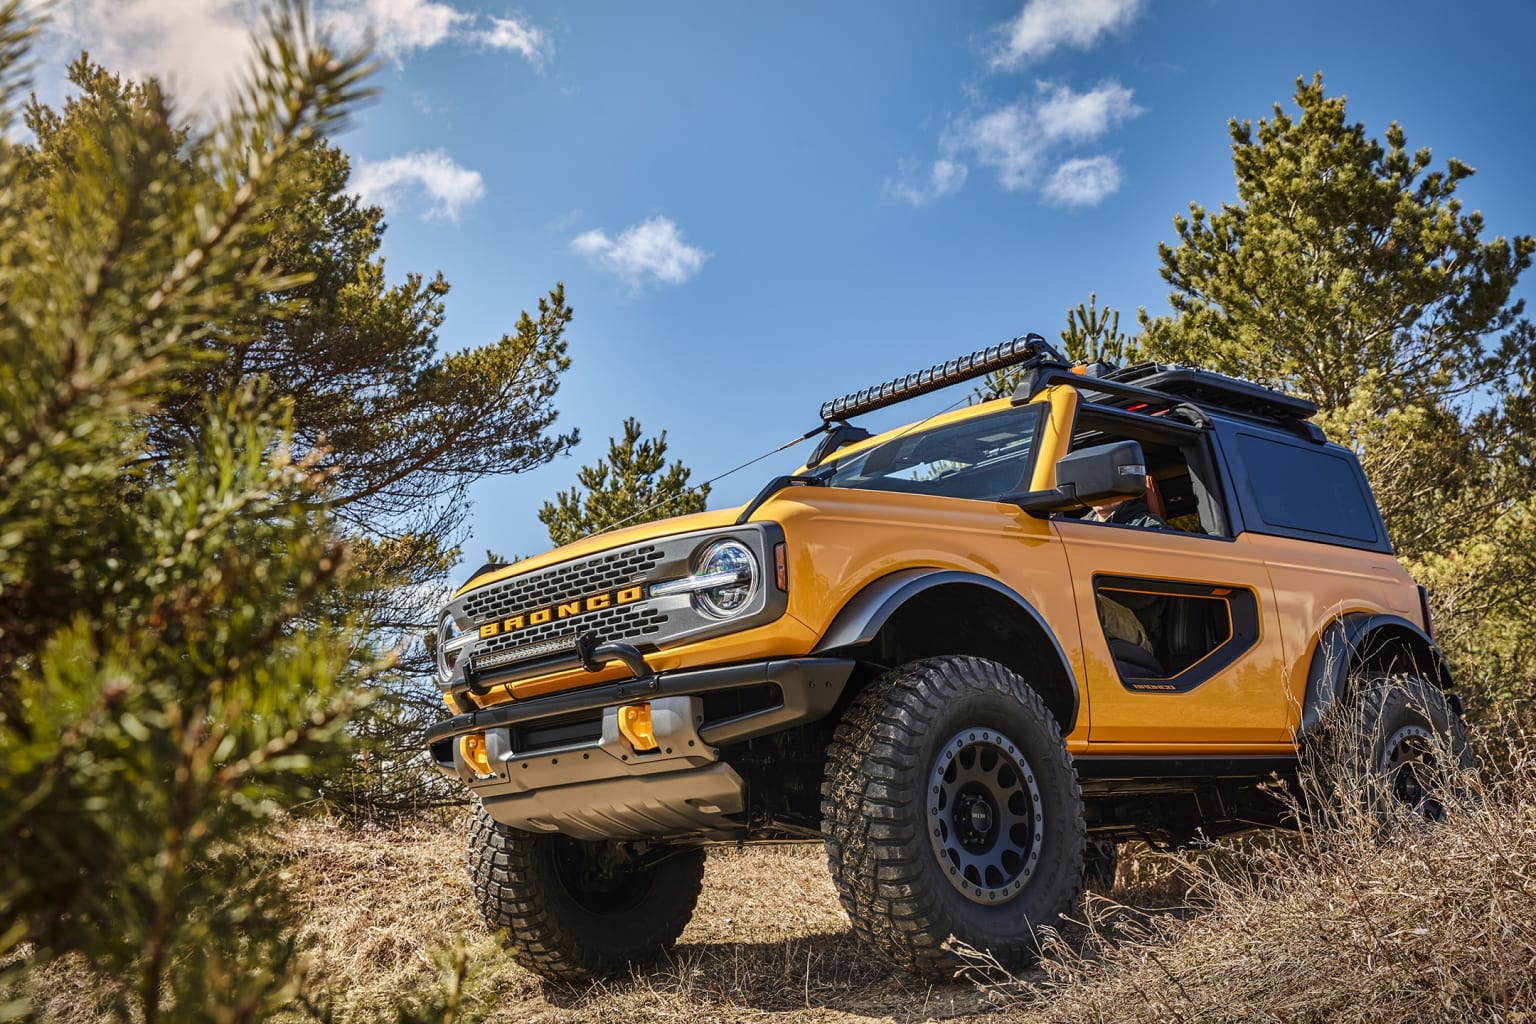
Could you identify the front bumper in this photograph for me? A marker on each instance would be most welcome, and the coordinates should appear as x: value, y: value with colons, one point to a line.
x: 560, y: 764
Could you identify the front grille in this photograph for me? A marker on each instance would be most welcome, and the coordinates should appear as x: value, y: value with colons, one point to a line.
x: 563, y: 582
x: 624, y: 625
x: 556, y: 605
x: 629, y: 623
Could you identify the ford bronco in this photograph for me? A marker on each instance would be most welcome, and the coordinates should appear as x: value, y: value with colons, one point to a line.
x: 920, y: 651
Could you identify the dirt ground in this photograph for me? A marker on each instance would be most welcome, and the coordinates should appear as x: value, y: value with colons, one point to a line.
x: 768, y: 941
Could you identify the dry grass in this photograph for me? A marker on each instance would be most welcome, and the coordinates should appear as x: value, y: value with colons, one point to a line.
x: 768, y: 940
x: 1362, y: 920
x: 1412, y: 923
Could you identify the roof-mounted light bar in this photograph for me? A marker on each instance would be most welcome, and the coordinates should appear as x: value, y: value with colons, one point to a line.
x: 940, y: 375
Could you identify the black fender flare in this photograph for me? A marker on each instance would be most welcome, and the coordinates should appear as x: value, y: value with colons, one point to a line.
x: 1352, y: 636
x: 862, y: 618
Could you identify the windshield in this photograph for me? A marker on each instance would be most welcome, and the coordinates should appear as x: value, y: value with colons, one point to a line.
x: 983, y: 458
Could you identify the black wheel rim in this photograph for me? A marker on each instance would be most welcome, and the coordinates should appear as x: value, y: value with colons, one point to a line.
x: 1409, y: 767
x: 984, y: 815
x: 588, y: 874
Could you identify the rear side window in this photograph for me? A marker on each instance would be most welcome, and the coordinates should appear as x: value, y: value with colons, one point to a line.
x: 1308, y: 489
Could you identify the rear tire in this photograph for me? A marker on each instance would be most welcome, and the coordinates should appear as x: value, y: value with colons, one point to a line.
x: 951, y: 807
x: 1397, y: 746
x: 575, y: 910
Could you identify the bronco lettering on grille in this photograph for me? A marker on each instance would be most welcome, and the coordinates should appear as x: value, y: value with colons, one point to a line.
x: 563, y: 610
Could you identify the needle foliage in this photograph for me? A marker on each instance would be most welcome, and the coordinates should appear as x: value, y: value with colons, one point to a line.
x: 1347, y: 270
x: 177, y: 663
x: 395, y: 423
x: 634, y: 484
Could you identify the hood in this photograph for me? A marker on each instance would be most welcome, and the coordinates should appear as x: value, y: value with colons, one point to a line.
x: 600, y: 542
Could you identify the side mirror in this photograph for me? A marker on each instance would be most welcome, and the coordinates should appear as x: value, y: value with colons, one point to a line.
x: 1090, y: 476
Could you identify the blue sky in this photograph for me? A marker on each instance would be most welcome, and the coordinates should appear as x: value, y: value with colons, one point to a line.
x: 757, y: 207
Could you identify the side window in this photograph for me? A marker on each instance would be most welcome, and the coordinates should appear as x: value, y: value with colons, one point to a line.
x: 1182, y: 491
x: 1310, y: 489
x: 1167, y: 636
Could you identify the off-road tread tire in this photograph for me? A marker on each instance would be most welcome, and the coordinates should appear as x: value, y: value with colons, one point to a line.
x: 1380, y: 703
x: 887, y: 876
x: 517, y: 891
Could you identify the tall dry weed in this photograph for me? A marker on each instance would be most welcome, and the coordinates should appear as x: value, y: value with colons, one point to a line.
x: 1371, y: 913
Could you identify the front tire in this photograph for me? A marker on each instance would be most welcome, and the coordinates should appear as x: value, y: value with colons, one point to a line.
x: 951, y: 807
x: 575, y: 910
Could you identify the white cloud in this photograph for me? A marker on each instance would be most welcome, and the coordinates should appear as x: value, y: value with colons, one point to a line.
x: 1044, y: 25
x: 197, y: 47
x: 1083, y: 116
x: 396, y: 27
x: 1020, y: 140
x: 1007, y: 141
x: 944, y: 177
x: 200, y: 48
x: 1034, y: 137
x: 1083, y: 181
x: 449, y: 186
x: 399, y: 28
x: 518, y: 37
x: 651, y: 251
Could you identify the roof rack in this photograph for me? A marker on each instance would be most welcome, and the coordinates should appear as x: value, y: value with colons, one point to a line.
x: 1153, y: 388
x: 1136, y: 388
x: 1165, y: 386
x: 1216, y: 390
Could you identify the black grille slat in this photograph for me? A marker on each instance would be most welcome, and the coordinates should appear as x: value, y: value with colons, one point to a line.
x: 563, y: 582
x: 617, y: 624
x: 573, y: 580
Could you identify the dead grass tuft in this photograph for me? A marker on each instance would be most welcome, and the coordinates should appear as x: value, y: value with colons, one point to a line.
x: 1364, y: 919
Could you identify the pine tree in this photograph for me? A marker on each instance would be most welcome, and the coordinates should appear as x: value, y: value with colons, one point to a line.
x: 1342, y: 261
x: 397, y: 431
x: 632, y: 485
x: 1093, y: 335
x: 176, y: 662
x: 1348, y: 272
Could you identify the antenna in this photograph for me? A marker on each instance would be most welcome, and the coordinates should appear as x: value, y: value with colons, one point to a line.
x: 940, y: 375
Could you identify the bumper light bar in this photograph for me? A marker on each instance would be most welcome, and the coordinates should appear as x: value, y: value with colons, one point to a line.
x: 563, y: 645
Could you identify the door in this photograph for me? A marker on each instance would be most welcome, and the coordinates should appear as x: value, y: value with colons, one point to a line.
x: 1181, y: 642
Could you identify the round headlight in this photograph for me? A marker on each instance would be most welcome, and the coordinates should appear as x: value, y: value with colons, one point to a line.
x: 733, y: 563
x: 452, y: 643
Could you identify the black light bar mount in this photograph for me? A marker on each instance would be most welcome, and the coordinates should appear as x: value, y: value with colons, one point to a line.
x: 940, y: 375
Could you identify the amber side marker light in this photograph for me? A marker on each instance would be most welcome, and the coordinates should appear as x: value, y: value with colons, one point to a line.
x: 780, y: 568
x: 635, y: 726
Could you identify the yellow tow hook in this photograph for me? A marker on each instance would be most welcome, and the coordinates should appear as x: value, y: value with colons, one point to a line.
x: 476, y: 755
x: 635, y: 726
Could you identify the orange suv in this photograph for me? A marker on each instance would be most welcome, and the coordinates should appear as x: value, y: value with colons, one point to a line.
x: 968, y: 655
